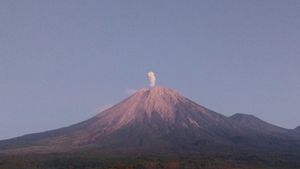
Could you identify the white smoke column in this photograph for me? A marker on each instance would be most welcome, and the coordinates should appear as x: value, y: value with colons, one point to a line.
x: 151, y: 79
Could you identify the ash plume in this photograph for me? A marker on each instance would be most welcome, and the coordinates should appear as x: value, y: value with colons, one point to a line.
x: 151, y: 78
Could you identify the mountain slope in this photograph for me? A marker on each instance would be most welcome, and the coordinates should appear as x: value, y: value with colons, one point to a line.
x: 296, y: 130
x: 158, y: 120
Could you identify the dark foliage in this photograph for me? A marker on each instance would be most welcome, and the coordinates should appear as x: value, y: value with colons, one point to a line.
x: 94, y: 161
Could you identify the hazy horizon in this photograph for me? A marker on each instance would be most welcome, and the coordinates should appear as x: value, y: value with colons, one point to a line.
x: 63, y: 61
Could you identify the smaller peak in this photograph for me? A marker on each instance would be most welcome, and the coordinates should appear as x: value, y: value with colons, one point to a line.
x: 297, y: 128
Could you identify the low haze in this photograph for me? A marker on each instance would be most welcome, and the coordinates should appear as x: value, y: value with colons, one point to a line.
x: 63, y: 61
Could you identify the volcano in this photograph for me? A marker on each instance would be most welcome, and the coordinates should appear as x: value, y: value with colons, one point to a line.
x: 161, y: 121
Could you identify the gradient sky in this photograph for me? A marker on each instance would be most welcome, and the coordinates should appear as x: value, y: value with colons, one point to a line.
x: 63, y: 60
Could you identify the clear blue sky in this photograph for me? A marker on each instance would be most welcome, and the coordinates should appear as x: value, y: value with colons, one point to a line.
x: 62, y: 60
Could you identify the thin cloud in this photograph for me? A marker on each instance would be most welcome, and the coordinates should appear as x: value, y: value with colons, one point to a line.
x: 104, y: 107
x: 130, y: 91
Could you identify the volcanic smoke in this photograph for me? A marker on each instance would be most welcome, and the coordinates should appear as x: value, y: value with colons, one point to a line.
x: 151, y: 78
